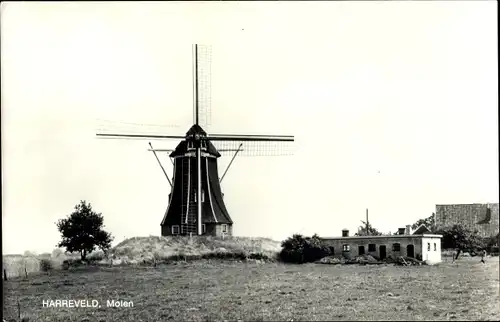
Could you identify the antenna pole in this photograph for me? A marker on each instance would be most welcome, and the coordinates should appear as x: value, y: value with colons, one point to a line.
x: 196, y: 107
x: 198, y: 157
x: 367, y: 221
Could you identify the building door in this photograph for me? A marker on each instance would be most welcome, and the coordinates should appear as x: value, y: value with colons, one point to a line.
x: 410, y: 251
x: 361, y: 250
x: 382, y: 251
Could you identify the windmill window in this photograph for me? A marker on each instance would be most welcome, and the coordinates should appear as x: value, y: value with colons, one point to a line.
x: 346, y: 248
x: 396, y: 247
x: 372, y: 247
x: 203, y: 228
x: 224, y: 228
x: 175, y: 230
x: 202, y: 196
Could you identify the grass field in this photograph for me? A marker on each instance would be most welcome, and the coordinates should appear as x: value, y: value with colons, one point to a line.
x: 203, y: 291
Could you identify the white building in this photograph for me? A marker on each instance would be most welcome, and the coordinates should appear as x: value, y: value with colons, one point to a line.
x: 420, y: 244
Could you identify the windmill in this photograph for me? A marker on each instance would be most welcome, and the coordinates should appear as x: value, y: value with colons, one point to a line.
x: 196, y: 204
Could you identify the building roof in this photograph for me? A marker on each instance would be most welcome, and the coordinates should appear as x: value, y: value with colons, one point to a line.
x: 385, y: 236
x: 468, y: 204
x: 422, y: 229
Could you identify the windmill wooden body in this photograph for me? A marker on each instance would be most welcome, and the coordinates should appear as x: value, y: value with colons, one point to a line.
x: 196, y: 202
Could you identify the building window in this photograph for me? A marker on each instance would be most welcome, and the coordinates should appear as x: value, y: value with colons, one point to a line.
x: 346, y: 248
x: 224, y: 228
x: 332, y: 250
x: 435, y: 247
x: 175, y: 230
x: 203, y: 228
x: 396, y: 247
x: 372, y: 247
x: 428, y: 246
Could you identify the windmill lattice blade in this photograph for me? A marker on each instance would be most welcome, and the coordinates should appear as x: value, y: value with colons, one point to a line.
x: 204, y: 85
x: 162, y: 150
x: 138, y: 136
x: 255, y: 148
x: 251, y: 138
x: 106, y: 124
x: 118, y: 129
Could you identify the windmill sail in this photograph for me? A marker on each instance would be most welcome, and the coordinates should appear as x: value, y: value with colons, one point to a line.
x: 196, y: 204
x: 203, y: 76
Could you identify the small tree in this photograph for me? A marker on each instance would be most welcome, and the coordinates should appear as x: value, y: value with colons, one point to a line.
x: 493, y: 240
x: 429, y: 222
x: 462, y: 239
x: 82, y: 231
x: 367, y: 230
x: 299, y: 249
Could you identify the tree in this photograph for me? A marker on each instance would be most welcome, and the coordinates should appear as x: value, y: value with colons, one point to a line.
x: 493, y: 242
x: 461, y: 238
x: 299, y: 249
x: 429, y: 222
x: 82, y: 231
x: 367, y: 230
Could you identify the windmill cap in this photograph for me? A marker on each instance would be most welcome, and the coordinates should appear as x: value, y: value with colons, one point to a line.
x: 196, y: 130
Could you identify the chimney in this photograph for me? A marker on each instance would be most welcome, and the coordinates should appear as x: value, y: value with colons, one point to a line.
x: 408, y: 230
x: 345, y: 233
x: 401, y: 231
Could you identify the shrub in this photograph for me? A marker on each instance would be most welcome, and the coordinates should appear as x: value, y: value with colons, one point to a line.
x: 46, y: 265
x: 73, y: 263
x: 96, y: 256
x: 494, y: 250
x: 29, y: 254
x: 299, y: 249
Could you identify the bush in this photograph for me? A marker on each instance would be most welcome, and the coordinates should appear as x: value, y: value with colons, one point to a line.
x: 72, y: 263
x: 29, y: 254
x: 494, y: 250
x: 299, y: 249
x: 96, y: 256
x: 46, y: 265
x: 57, y: 253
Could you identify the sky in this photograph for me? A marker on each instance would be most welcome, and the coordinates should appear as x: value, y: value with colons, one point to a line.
x: 393, y: 105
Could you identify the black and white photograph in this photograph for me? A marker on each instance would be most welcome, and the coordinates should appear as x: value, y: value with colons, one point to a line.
x: 250, y: 161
